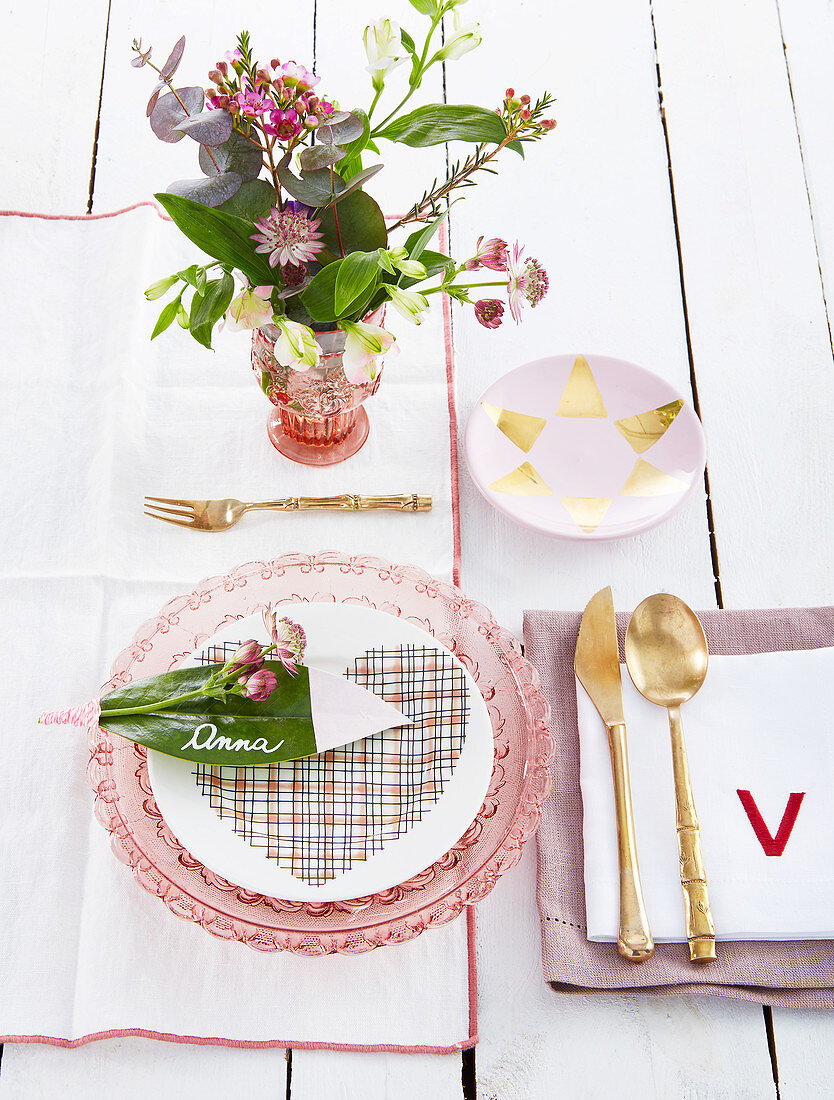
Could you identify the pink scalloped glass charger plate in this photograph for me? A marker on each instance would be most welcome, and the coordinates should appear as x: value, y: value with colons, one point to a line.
x: 125, y: 805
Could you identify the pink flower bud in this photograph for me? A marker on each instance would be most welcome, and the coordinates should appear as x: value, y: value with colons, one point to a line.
x: 492, y: 254
x: 259, y: 685
x: 510, y: 93
x: 525, y: 99
x: 274, y: 63
x: 489, y: 311
x: 548, y: 124
x: 216, y: 76
x: 525, y: 114
x: 263, y: 76
x: 223, y: 67
x: 247, y: 654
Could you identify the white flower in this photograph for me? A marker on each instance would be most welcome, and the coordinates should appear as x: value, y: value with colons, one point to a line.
x: 156, y: 290
x: 384, y: 49
x: 410, y: 303
x: 461, y: 41
x: 413, y: 269
x: 364, y: 345
x: 296, y: 345
x: 251, y: 309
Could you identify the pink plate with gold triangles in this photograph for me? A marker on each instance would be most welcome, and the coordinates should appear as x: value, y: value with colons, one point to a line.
x: 584, y: 447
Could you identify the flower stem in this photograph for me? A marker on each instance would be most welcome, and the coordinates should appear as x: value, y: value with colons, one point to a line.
x: 419, y: 78
x: 460, y: 286
x: 149, y: 708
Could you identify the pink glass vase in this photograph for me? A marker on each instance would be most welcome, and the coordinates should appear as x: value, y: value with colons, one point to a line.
x: 318, y: 418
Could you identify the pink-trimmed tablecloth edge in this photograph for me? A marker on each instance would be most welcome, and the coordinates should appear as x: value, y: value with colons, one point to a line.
x: 472, y: 973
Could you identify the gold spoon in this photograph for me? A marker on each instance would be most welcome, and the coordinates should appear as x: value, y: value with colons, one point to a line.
x: 666, y: 653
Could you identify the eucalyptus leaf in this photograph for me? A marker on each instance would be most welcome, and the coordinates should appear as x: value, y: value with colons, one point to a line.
x: 168, y: 112
x: 437, y: 123
x: 174, y: 58
x: 348, y: 129
x: 211, y: 191
x: 254, y: 200
x: 320, y: 156
x: 281, y: 726
x: 234, y: 155
x: 208, y: 127
x: 221, y: 235
x: 315, y: 188
x: 356, y: 272
x: 357, y: 181
x: 154, y: 98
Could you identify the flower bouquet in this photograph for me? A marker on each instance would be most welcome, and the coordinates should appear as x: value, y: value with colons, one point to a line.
x: 281, y: 205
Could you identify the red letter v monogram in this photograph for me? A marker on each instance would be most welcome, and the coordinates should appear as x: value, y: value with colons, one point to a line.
x: 773, y: 845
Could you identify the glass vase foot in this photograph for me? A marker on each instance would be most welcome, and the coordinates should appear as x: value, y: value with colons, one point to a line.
x: 311, y: 454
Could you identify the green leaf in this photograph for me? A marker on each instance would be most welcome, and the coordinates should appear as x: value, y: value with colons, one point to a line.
x: 434, y: 263
x: 355, y: 273
x: 221, y: 235
x: 212, y: 304
x: 425, y: 7
x: 254, y: 200
x: 516, y: 146
x: 285, y: 718
x: 361, y: 227
x: 440, y: 122
x: 319, y: 298
x: 166, y: 317
x: 418, y: 240
x: 408, y: 42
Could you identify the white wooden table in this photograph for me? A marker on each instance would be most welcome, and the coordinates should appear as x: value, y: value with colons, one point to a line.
x: 684, y: 208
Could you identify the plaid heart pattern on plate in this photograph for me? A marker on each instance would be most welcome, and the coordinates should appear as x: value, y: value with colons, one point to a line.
x: 319, y: 816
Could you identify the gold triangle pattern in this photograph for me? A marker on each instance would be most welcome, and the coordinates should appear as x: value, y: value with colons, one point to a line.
x: 587, y: 512
x: 525, y: 481
x: 646, y: 480
x: 581, y: 398
x: 643, y: 430
x: 519, y: 428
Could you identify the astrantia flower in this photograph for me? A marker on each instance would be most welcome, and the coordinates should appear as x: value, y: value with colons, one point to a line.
x: 384, y: 49
x: 250, y: 309
x: 528, y: 279
x: 252, y: 103
x: 246, y: 656
x: 410, y: 303
x: 289, y: 640
x: 296, y: 345
x: 259, y: 685
x: 491, y: 254
x: 289, y: 235
x: 364, y: 347
x: 489, y: 311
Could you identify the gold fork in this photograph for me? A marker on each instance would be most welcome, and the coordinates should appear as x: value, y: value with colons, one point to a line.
x: 220, y: 515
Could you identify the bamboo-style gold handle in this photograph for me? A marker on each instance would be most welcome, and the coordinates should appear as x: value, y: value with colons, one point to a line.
x: 700, y: 927
x: 353, y: 502
x: 634, y: 939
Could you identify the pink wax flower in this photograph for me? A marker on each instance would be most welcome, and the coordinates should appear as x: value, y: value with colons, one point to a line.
x: 491, y: 254
x: 252, y: 103
x: 296, y: 76
x: 289, y: 236
x: 489, y: 311
x: 528, y: 279
x: 284, y: 124
x: 289, y: 640
x: 258, y: 685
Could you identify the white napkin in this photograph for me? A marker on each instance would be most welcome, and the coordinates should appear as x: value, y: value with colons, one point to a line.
x: 759, y: 725
x: 93, y: 416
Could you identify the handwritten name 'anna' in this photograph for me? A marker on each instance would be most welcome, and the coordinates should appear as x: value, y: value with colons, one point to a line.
x: 212, y: 741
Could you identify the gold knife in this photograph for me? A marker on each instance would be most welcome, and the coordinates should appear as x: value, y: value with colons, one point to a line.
x: 597, y: 667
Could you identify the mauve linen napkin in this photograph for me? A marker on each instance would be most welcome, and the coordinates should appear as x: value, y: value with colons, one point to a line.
x: 793, y: 974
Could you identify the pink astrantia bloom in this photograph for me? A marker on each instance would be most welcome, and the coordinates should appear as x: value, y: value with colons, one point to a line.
x: 489, y: 311
x: 252, y: 103
x: 289, y: 235
x: 259, y: 685
x: 528, y: 279
x: 250, y: 309
x: 289, y: 640
x: 246, y: 656
x: 491, y: 254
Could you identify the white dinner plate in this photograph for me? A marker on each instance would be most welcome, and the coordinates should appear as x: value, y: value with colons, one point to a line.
x: 337, y: 634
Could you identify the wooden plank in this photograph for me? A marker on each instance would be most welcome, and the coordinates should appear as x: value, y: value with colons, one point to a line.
x: 759, y: 329
x: 57, y: 58
x: 805, y: 1040
x: 132, y: 163
x: 340, y: 62
x: 134, y: 1069
x: 607, y: 238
